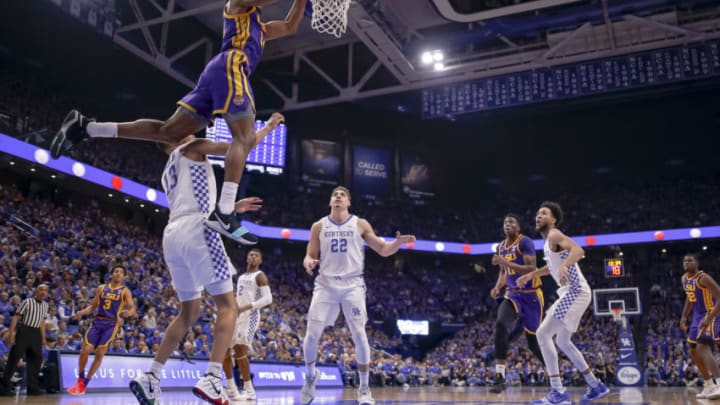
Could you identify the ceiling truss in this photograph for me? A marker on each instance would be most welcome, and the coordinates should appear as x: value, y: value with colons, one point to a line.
x: 630, y: 34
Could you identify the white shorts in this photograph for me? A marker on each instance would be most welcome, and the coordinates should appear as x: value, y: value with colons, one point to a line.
x: 571, y: 305
x: 245, y: 327
x: 327, y: 301
x: 196, y: 259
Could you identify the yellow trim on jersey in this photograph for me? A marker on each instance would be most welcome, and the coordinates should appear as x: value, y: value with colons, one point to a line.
x: 231, y: 73
x: 520, y: 236
x: 237, y: 77
x: 247, y: 86
x: 186, y: 105
x: 228, y: 72
x: 263, y: 30
x: 517, y: 310
x: 529, y: 331
x: 242, y: 31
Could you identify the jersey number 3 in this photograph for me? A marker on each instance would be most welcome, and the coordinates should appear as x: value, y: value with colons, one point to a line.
x: 338, y: 245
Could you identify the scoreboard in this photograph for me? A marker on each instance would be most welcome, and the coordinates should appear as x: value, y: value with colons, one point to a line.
x: 614, y: 267
x: 267, y: 157
x: 627, y: 72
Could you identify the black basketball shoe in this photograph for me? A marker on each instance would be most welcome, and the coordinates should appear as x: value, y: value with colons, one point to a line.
x: 72, y: 131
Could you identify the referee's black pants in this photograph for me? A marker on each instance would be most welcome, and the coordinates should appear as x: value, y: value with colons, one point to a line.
x: 28, y: 343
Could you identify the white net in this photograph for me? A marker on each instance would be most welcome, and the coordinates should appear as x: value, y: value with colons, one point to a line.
x: 617, y: 314
x: 330, y: 16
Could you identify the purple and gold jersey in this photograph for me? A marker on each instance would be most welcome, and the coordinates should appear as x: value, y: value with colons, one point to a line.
x: 111, y: 302
x: 244, y: 32
x: 515, y: 252
x: 701, y: 298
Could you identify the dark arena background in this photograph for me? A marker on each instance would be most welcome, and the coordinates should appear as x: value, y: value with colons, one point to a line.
x: 440, y: 117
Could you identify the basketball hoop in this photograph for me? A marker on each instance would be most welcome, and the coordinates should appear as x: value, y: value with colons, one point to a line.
x: 330, y: 16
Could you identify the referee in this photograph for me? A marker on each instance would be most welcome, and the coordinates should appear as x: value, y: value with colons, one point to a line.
x: 29, y: 320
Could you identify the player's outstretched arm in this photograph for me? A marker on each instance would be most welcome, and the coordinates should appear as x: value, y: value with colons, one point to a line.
x: 93, y: 305
x: 288, y: 26
x: 312, y: 254
x: 381, y: 247
x: 203, y: 147
x: 522, y: 280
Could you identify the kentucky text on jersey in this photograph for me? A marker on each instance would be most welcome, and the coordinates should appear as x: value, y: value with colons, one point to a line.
x: 338, y: 234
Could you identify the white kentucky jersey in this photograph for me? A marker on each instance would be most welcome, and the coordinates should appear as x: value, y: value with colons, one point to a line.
x: 342, y: 254
x: 189, y: 185
x: 555, y: 259
x: 247, y: 288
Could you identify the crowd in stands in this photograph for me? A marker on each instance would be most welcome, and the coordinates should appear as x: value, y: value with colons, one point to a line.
x: 28, y: 105
x: 71, y: 247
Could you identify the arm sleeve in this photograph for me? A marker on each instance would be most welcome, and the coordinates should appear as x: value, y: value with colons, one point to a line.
x: 527, y: 246
x: 265, y: 298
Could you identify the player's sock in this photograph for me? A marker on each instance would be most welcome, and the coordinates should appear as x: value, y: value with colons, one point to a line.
x: 310, y: 368
x: 82, y: 374
x: 248, y: 386
x: 500, y: 369
x: 226, y: 204
x: 86, y: 381
x: 591, y: 379
x: 156, y: 368
x: 214, y: 368
x: 556, y: 383
x: 102, y: 129
x: 364, y: 378
x: 231, y: 384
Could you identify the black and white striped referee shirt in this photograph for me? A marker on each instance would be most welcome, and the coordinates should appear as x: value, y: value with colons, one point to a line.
x: 32, y: 312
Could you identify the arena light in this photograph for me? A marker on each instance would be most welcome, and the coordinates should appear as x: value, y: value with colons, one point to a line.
x: 142, y: 193
x: 439, y: 66
x: 426, y: 58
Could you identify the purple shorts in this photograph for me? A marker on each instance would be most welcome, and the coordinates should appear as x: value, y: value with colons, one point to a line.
x: 223, y: 88
x: 711, y: 334
x: 529, y: 307
x: 101, y: 332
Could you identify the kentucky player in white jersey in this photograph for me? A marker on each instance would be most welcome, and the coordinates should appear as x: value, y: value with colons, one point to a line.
x: 563, y: 318
x: 197, y: 261
x: 252, y: 294
x: 336, y: 243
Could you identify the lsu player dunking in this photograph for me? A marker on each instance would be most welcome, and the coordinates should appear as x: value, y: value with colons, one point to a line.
x: 703, y: 301
x: 515, y: 256
x: 111, y: 301
x: 197, y: 261
x: 336, y: 244
x: 222, y: 90
x: 252, y: 294
x: 563, y: 318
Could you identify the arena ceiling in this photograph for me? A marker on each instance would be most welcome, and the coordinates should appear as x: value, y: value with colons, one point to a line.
x: 381, y: 52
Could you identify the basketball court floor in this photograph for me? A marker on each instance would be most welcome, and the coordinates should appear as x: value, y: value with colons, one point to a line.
x: 386, y: 396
